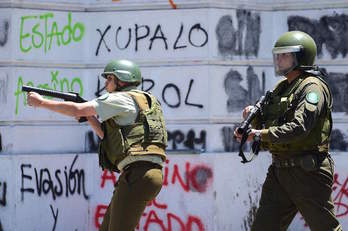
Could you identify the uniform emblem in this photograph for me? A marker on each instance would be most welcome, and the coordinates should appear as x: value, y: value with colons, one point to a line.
x: 312, y: 97
x: 104, y: 97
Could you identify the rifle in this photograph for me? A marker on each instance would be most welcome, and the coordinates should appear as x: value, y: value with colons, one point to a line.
x: 71, y: 96
x: 244, y: 129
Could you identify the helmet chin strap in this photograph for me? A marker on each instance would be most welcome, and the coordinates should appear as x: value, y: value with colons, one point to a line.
x: 118, y: 87
x: 309, y: 68
x: 290, y: 69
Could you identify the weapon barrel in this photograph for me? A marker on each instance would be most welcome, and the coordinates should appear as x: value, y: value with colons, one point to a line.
x: 52, y: 93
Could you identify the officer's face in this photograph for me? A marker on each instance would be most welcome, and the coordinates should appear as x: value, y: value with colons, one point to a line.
x: 284, y: 61
x: 110, y: 84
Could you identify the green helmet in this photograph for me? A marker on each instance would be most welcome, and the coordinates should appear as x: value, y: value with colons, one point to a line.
x: 124, y: 70
x: 300, y: 45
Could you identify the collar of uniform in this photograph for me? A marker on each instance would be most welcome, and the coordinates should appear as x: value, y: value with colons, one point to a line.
x: 129, y: 88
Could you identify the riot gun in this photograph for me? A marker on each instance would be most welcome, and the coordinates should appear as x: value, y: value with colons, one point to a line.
x: 70, y: 96
x: 245, y: 128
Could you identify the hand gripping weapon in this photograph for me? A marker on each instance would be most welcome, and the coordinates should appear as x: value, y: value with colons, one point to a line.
x: 245, y: 128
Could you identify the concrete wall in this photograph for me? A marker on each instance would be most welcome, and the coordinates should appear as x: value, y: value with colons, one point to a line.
x: 204, y: 60
x: 211, y: 192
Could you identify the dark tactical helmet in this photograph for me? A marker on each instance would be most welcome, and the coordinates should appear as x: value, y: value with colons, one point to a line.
x: 300, y: 45
x: 124, y: 70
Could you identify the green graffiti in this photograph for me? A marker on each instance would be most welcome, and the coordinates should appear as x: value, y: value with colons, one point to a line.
x: 56, y: 83
x: 40, y: 31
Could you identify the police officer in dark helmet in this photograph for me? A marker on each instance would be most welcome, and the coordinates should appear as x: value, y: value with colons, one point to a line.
x: 133, y: 140
x: 295, y: 127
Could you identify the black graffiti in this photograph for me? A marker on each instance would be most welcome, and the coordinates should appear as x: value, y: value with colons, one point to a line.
x: 177, y: 91
x: 251, y: 215
x: 4, y: 27
x: 172, y: 102
x: 92, y: 142
x: 244, y: 40
x: 102, y: 35
x: 329, y: 30
x: 229, y: 142
x: 187, y: 96
x: 199, y: 28
x: 137, y: 37
x: 145, y: 82
x: 172, y: 90
x: 196, y: 37
x: 74, y: 181
x: 178, y: 139
x: 3, y: 185
x: 99, y: 88
x: 159, y: 36
x: 3, y: 89
x: 338, y: 141
x: 129, y: 38
x: 176, y: 46
x: 0, y: 143
x: 171, y: 94
x: 238, y: 97
x: 338, y: 83
x: 55, y: 217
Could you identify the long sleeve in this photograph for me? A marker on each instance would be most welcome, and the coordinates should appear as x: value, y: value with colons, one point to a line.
x: 311, y: 102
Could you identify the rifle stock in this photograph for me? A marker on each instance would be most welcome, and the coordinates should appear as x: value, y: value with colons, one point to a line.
x: 70, y: 96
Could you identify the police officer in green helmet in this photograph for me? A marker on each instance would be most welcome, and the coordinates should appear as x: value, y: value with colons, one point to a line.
x: 295, y: 126
x: 133, y: 140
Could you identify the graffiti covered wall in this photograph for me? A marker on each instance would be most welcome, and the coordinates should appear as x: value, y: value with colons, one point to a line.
x: 205, y: 60
x: 206, y: 192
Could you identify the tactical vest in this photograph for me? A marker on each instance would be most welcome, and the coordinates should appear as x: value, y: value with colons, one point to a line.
x: 281, y: 109
x: 147, y: 135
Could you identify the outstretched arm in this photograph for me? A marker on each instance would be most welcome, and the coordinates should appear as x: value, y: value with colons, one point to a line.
x: 63, y: 107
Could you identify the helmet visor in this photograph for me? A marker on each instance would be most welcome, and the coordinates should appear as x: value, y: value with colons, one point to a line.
x: 285, y: 59
x: 105, y: 74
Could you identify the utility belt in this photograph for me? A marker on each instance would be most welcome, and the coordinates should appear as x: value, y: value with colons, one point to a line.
x: 308, y: 162
x: 138, y: 160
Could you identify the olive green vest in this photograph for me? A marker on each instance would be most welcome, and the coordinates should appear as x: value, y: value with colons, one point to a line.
x: 281, y: 109
x: 147, y: 135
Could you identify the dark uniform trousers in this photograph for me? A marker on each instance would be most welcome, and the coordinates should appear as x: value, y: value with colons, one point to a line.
x: 137, y: 185
x: 288, y: 190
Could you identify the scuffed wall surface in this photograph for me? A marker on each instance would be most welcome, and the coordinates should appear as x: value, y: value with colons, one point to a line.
x: 205, y: 192
x: 204, y: 60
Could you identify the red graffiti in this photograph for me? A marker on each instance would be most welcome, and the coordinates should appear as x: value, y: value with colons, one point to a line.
x: 188, y: 176
x: 172, y: 220
x: 153, y: 219
x: 199, y: 178
x: 99, y: 213
x: 107, y: 175
x: 172, y: 4
x: 195, y: 178
x: 341, y: 196
x: 157, y: 205
x: 192, y: 223
x: 176, y: 175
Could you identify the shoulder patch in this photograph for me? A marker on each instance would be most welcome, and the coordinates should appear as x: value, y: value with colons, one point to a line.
x: 312, y: 97
x: 103, y: 97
